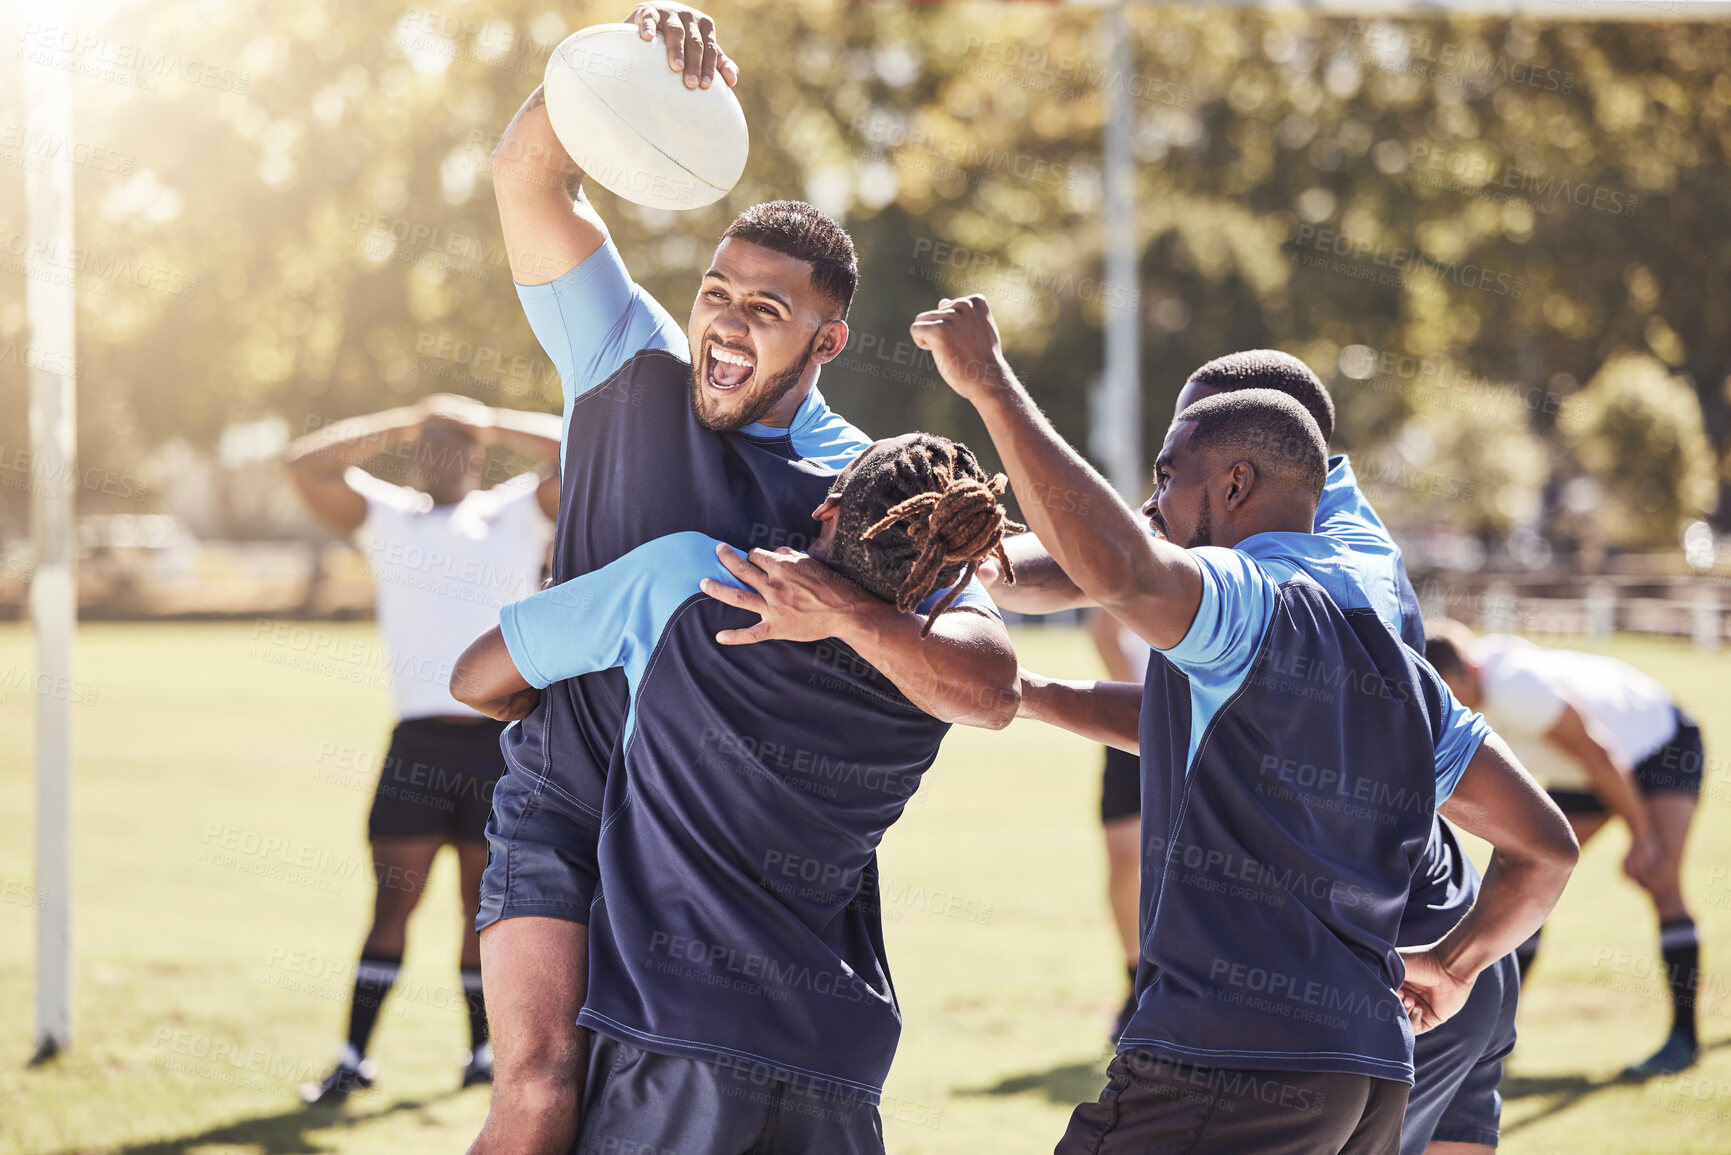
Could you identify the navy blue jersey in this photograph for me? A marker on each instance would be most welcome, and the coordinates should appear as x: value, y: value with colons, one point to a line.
x: 736, y: 920
x: 1446, y: 882
x: 636, y: 465
x: 1294, y: 752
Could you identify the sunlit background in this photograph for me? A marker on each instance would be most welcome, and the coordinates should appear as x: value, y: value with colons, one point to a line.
x: 1505, y: 244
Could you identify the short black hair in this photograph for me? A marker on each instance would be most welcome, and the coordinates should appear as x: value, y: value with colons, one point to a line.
x: 1446, y: 647
x: 1272, y: 369
x: 1266, y: 428
x: 805, y: 233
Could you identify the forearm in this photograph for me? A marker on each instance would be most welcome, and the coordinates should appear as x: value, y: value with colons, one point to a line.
x: 963, y: 672
x: 1615, y: 787
x: 1514, y: 900
x: 1106, y: 712
x: 353, y: 440
x: 534, y: 435
x: 1086, y: 529
x: 1042, y: 586
x: 486, y: 679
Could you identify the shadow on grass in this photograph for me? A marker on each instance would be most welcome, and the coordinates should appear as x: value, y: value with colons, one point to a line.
x: 287, y: 1133
x: 1565, y: 1091
x: 1065, y: 1085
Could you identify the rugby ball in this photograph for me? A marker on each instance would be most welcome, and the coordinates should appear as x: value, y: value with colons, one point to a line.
x: 633, y: 127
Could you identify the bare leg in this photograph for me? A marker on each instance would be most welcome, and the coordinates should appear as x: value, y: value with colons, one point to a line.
x: 471, y: 864
x: 537, y: 975
x: 1671, y: 812
x: 400, y: 866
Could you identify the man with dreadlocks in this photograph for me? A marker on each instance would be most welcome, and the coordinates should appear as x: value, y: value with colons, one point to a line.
x: 738, y: 988
x: 1294, y: 752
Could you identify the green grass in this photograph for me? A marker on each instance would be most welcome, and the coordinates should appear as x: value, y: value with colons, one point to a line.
x: 202, y: 997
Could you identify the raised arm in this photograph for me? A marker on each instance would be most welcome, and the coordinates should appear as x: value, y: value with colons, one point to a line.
x: 549, y: 226
x: 317, y: 461
x: 1534, y: 853
x: 1153, y: 587
x: 486, y: 679
x: 964, y: 671
x: 1107, y: 712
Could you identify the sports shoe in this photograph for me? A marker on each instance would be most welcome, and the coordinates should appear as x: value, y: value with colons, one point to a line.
x: 479, y: 1068
x: 1677, y: 1054
x: 337, y: 1086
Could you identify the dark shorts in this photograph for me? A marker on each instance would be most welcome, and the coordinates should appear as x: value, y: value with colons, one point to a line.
x: 1120, y: 786
x: 1675, y: 766
x: 1454, y: 1098
x: 437, y: 781
x: 1157, y: 1105
x: 640, y: 1103
x: 542, y: 859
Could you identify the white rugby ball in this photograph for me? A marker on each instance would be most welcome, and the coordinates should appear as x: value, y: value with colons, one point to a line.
x: 633, y: 127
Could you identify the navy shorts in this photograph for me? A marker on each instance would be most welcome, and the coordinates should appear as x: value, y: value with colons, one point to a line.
x: 1120, y: 786
x: 1675, y: 766
x: 1458, y: 1066
x: 640, y: 1103
x: 437, y: 780
x: 542, y: 853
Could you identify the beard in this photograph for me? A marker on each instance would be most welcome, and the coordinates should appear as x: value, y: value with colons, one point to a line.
x: 1203, y: 534
x: 758, y: 403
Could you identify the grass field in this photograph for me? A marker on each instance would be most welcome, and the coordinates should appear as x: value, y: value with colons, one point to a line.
x: 221, y: 890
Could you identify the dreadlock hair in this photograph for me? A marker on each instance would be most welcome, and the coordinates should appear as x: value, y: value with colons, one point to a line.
x: 918, y: 513
x: 798, y: 230
x: 1271, y: 369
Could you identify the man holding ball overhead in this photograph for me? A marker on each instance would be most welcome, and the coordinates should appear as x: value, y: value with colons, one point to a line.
x: 666, y: 431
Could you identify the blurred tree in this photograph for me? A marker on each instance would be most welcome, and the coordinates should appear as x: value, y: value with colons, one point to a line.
x: 1636, y: 429
x: 298, y: 220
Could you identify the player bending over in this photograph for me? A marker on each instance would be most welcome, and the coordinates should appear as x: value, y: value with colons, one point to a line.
x: 1604, y: 739
x: 437, y: 779
x: 1294, y: 752
x: 739, y: 993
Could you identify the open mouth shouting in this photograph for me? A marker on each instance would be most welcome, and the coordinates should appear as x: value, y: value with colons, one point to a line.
x: 727, y: 369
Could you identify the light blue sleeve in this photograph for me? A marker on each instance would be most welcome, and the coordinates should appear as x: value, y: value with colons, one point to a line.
x: 1459, y: 731
x: 1237, y: 604
x: 611, y: 617
x: 973, y: 595
x: 594, y: 319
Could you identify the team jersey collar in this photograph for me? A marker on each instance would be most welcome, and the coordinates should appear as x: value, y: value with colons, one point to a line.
x: 809, y: 413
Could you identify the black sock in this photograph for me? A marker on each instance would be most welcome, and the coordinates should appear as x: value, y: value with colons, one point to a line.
x: 477, y: 1007
x: 374, y: 978
x: 1526, y: 952
x: 1682, y: 951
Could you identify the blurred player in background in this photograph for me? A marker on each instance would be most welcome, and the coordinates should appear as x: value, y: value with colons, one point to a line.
x: 445, y: 554
x: 1125, y: 657
x: 1604, y: 739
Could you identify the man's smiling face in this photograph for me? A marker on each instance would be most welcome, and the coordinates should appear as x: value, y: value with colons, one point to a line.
x: 758, y: 330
